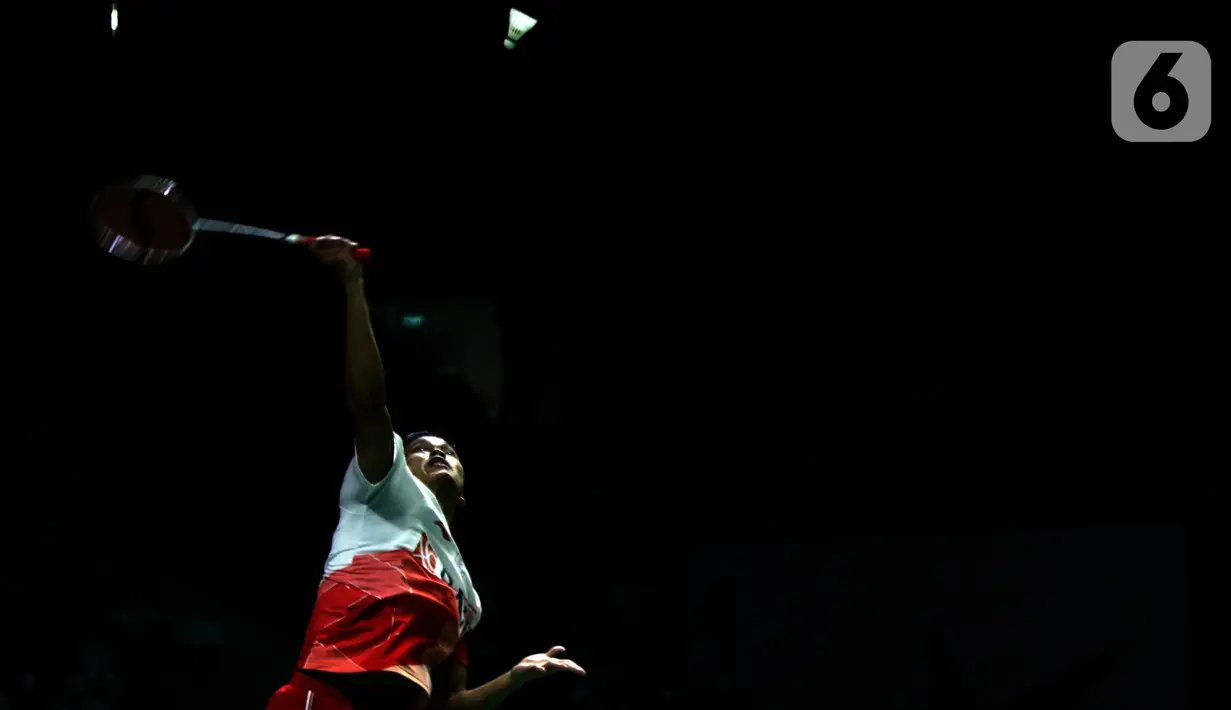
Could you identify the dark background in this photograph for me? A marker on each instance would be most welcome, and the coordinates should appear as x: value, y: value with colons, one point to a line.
x: 777, y: 386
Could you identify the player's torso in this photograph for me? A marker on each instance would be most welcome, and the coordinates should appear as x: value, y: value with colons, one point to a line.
x: 395, y: 591
x: 411, y: 558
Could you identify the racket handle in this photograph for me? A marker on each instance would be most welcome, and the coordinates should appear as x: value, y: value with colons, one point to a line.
x: 363, y: 255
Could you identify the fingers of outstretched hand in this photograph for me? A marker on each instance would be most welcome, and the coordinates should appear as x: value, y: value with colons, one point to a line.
x: 555, y: 651
x: 567, y: 665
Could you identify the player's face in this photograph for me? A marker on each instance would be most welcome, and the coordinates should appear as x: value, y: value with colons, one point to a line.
x: 433, y: 461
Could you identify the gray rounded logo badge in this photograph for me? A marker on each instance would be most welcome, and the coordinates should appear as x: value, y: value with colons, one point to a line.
x: 1161, y: 92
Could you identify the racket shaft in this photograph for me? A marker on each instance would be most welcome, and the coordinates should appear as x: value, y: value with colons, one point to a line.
x: 362, y: 255
x: 214, y: 225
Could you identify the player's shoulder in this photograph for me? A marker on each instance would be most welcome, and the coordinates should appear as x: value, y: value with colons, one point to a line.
x: 361, y: 485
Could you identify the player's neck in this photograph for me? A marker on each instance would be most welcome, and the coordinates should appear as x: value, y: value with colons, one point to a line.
x: 446, y: 506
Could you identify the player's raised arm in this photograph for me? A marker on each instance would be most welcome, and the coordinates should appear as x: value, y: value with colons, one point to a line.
x: 365, y: 375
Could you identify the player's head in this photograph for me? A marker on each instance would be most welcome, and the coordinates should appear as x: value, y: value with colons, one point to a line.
x: 434, y: 461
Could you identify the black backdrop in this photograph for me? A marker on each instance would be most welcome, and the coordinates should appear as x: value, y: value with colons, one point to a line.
x: 775, y: 406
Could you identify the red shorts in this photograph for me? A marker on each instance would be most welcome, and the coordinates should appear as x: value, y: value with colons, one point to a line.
x: 307, y: 693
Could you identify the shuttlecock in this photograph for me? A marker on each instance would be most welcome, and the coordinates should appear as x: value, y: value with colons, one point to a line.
x: 115, y: 18
x: 519, y: 24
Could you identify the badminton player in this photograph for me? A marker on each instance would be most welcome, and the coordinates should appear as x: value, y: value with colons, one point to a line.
x: 396, y: 603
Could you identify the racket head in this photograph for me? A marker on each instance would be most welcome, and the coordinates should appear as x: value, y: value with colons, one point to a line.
x: 145, y: 219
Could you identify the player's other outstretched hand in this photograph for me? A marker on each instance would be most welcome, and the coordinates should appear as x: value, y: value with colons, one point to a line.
x: 544, y: 664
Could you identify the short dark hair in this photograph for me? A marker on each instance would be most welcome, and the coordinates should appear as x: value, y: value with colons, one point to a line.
x: 406, y: 440
x: 415, y: 435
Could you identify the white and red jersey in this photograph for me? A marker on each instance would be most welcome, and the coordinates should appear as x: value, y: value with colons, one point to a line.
x: 395, y: 593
